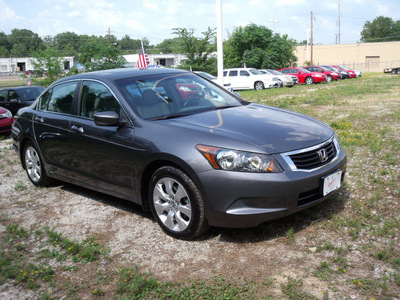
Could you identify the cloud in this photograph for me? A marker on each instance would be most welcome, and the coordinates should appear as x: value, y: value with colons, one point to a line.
x: 7, y: 14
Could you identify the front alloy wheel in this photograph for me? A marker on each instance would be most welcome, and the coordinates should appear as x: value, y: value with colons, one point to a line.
x: 176, y: 203
x: 309, y: 80
x: 258, y: 86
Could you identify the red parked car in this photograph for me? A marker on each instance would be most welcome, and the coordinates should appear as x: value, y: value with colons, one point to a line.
x: 352, y: 73
x: 330, y: 75
x: 5, y: 121
x: 304, y: 75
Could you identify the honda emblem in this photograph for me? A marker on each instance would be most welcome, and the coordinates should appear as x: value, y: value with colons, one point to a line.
x: 323, y: 155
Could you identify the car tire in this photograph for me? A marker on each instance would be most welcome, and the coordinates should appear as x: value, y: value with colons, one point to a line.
x: 34, y: 166
x: 176, y: 204
x: 309, y: 80
x: 328, y: 78
x: 280, y: 84
x: 258, y: 86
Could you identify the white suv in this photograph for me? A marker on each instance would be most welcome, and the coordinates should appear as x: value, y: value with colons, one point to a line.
x: 247, y: 79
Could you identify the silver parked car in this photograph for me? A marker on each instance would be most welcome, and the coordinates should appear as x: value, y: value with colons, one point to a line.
x: 284, y: 80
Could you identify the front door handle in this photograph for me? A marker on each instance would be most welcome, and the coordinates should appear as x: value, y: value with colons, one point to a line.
x: 39, y: 119
x: 77, y: 129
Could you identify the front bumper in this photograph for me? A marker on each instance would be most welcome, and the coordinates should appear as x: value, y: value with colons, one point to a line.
x: 240, y: 200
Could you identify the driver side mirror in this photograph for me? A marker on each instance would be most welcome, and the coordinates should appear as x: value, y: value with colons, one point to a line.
x: 106, y: 118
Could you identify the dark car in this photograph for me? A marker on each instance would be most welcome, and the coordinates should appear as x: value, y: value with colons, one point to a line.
x: 343, y: 74
x: 5, y: 121
x: 214, y: 160
x: 17, y: 97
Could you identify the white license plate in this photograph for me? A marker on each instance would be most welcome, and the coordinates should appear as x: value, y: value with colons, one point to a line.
x: 332, y: 182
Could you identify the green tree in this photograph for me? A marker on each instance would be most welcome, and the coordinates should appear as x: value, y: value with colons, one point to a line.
x: 97, y: 55
x: 174, y: 45
x: 381, y: 29
x: 50, y: 62
x: 258, y: 47
x: 69, y: 43
x: 24, y: 42
x: 127, y: 43
x: 4, y: 52
x: 198, y: 50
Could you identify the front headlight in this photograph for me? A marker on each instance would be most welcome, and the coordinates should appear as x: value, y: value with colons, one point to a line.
x: 336, y: 74
x: 317, y: 75
x: 239, y: 161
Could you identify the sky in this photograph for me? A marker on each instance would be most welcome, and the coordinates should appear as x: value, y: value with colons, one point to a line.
x: 155, y: 20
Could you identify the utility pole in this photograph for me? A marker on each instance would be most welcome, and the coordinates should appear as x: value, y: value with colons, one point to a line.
x: 311, y: 40
x: 338, y: 23
x: 220, y: 50
x: 109, y: 43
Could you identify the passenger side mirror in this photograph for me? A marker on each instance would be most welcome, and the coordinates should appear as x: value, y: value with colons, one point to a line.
x: 106, y: 118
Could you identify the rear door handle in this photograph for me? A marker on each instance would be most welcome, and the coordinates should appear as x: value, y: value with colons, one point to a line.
x: 39, y: 119
x: 77, y: 129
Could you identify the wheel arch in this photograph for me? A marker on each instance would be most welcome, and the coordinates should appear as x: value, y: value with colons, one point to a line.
x: 152, y: 167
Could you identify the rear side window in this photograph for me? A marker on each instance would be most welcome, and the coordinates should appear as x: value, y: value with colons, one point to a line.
x: 233, y: 73
x: 59, y: 99
x: 96, y: 97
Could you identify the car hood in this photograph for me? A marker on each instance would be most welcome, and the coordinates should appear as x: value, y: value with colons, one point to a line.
x: 271, y: 129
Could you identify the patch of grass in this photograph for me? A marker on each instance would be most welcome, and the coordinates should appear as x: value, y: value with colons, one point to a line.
x: 324, y: 271
x: 290, y: 237
x: 86, y: 251
x: 293, y: 289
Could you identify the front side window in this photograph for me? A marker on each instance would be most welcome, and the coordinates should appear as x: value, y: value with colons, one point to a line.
x: 96, y: 97
x: 12, y: 95
x: 59, y: 99
x: 244, y: 73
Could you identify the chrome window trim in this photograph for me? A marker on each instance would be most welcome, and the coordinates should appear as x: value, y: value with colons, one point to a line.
x: 292, y: 166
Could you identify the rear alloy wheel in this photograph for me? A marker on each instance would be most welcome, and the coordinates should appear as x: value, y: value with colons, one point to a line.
x: 309, y: 80
x: 258, y: 85
x: 328, y: 78
x: 176, y: 204
x: 34, y: 166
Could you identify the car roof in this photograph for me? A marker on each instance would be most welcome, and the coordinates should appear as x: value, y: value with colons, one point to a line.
x: 115, y: 74
x: 21, y: 87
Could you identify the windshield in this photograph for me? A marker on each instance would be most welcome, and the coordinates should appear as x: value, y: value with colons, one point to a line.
x: 170, y: 95
x: 30, y: 93
x: 274, y: 72
x: 206, y: 75
x: 256, y: 72
x: 344, y: 68
x: 304, y: 70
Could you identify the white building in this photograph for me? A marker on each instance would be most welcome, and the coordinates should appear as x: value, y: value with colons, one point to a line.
x: 17, y: 65
x: 164, y: 60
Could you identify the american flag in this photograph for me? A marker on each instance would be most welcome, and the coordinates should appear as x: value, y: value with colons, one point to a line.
x: 143, y: 61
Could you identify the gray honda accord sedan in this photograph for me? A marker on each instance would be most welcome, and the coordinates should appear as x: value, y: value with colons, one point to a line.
x: 179, y: 145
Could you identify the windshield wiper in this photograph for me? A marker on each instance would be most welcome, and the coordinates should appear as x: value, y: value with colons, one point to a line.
x: 224, y: 106
x: 169, y: 117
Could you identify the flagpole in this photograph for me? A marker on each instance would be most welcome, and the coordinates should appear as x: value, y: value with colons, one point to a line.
x: 220, y: 50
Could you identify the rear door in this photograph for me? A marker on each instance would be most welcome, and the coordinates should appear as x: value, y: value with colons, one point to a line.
x: 51, y: 124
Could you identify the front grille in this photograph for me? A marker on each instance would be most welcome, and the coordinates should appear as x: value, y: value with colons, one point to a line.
x: 311, y: 159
